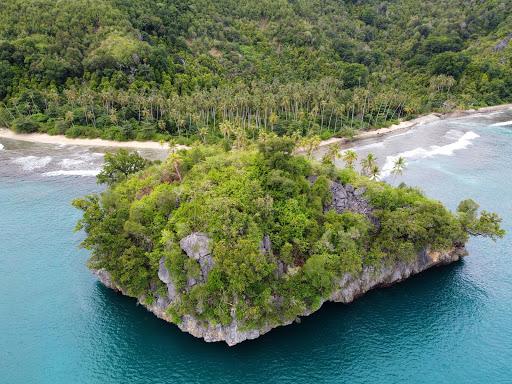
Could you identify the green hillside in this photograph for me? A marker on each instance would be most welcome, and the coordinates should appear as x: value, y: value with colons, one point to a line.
x: 147, y: 69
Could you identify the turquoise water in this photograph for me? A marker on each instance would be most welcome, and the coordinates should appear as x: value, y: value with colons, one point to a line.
x: 449, y: 325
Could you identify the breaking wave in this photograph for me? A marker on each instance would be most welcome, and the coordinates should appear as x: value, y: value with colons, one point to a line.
x: 69, y: 163
x: 502, y: 124
x: 453, y: 134
x: 435, y: 150
x: 29, y: 163
x: 73, y: 172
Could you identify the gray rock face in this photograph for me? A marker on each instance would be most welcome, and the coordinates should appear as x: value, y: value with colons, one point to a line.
x: 104, y: 276
x: 162, y: 302
x: 163, y: 273
x: 266, y: 245
x: 503, y: 43
x: 197, y: 246
x: 347, y: 198
x: 165, y: 277
x: 348, y: 288
x: 351, y: 287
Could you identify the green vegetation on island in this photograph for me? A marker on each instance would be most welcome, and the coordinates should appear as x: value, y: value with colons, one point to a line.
x: 278, y: 230
x: 213, y: 70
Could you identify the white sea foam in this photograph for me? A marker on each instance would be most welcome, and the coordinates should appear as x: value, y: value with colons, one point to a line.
x: 29, y: 163
x: 1, y: 147
x: 70, y: 163
x: 453, y: 134
x: 435, y: 150
x: 73, y: 172
x: 502, y: 124
x: 369, y: 146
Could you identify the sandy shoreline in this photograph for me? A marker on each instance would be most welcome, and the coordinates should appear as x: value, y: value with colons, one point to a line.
x: 404, y: 125
x: 44, y: 138
x: 408, y: 124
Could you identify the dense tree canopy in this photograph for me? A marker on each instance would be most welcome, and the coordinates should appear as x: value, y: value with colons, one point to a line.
x: 125, y: 69
x: 277, y: 243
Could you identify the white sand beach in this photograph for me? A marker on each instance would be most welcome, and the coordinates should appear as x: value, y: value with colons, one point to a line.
x: 404, y: 125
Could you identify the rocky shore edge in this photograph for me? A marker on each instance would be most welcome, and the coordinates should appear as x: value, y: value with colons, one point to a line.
x: 348, y: 288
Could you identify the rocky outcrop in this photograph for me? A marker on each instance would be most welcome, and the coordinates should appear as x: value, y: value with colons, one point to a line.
x: 348, y: 288
x: 503, y: 43
x: 197, y: 246
x: 266, y: 245
x: 165, y: 277
x: 347, y: 198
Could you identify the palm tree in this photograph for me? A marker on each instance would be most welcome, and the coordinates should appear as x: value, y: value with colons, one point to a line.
x: 374, y: 172
x: 368, y: 163
x: 350, y: 158
x: 399, y: 166
x: 203, y: 132
x: 176, y: 160
x: 225, y: 129
x: 239, y: 137
x: 310, y: 144
x: 333, y: 153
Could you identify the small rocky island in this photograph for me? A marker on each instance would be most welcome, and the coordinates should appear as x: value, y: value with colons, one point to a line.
x: 229, y: 245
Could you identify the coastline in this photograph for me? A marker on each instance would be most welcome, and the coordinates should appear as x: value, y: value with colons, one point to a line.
x: 44, y: 138
x: 417, y: 121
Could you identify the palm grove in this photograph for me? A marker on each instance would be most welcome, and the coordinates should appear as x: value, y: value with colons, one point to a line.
x: 225, y: 70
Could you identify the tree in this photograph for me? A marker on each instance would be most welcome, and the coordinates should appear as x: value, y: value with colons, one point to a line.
x: 350, y: 158
x: 399, y: 166
x: 485, y: 225
x: 374, y: 172
x: 175, y: 159
x: 119, y: 165
x: 333, y: 153
x: 449, y: 63
x: 368, y: 164
x: 310, y: 144
x: 203, y: 132
x: 226, y: 129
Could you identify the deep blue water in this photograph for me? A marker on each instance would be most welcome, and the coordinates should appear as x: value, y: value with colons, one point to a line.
x: 448, y: 325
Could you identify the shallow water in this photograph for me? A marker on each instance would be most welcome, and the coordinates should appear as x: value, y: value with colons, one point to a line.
x: 448, y: 325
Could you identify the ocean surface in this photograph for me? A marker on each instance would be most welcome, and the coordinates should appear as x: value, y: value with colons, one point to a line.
x: 448, y: 325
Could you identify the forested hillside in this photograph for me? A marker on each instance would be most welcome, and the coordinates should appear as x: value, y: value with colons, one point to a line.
x: 198, y: 69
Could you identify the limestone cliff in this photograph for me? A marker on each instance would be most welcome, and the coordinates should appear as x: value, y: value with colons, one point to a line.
x: 348, y: 288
